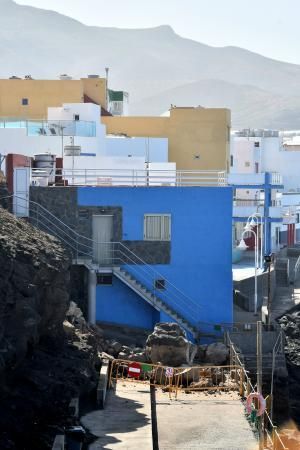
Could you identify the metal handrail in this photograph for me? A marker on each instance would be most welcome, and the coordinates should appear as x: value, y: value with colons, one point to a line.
x: 53, y: 217
x: 134, y: 177
x: 274, y: 438
x: 296, y: 268
x: 72, y: 239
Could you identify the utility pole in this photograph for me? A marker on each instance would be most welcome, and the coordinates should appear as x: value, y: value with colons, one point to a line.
x: 259, y: 382
x: 268, y: 261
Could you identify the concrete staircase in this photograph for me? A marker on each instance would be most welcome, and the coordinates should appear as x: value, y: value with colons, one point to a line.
x: 172, y: 301
x: 250, y: 361
x: 154, y: 300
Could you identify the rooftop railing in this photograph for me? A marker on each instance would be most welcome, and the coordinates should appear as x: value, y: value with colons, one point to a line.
x: 52, y: 127
x: 129, y: 177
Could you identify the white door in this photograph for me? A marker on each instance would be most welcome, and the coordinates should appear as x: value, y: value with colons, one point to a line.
x: 102, y: 237
x: 21, y: 191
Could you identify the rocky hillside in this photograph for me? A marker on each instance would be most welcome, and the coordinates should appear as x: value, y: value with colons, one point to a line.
x: 34, y: 291
x: 290, y: 324
x: 41, y: 367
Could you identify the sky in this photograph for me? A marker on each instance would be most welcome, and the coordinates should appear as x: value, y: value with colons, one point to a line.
x: 268, y: 27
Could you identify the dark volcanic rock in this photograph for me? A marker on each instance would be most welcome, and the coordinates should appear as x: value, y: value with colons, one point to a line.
x: 169, y: 345
x: 290, y: 323
x: 34, y: 290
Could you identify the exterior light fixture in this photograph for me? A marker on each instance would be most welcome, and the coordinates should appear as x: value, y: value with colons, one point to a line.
x: 248, y: 227
x: 242, y: 245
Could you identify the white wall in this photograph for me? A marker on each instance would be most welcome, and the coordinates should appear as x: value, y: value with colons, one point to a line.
x: 276, y: 159
x: 154, y: 148
x: 15, y: 140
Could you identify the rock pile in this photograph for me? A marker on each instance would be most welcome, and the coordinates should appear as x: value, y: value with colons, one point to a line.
x: 34, y: 288
x: 41, y: 366
x: 290, y: 323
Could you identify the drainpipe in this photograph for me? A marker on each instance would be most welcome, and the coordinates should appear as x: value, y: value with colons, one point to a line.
x: 92, y: 297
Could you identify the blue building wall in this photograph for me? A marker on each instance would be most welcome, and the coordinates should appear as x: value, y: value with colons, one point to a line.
x: 119, y: 304
x: 201, y: 246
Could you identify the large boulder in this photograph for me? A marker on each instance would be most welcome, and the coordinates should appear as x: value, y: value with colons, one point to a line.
x: 216, y: 354
x: 168, y: 345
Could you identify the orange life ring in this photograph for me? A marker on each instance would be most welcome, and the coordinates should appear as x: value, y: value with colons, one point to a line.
x: 261, y: 401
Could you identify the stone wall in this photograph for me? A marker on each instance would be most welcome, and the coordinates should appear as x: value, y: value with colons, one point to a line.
x: 246, y: 288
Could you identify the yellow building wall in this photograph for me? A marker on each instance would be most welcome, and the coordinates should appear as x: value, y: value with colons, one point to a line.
x: 42, y: 94
x: 95, y: 88
x: 199, y: 138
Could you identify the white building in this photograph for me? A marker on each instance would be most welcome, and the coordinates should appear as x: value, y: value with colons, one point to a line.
x: 254, y: 152
x: 80, y: 125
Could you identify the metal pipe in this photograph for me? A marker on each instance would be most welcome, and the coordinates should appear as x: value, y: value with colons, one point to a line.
x: 255, y: 272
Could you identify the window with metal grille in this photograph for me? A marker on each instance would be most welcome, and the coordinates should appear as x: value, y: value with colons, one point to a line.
x: 157, y: 227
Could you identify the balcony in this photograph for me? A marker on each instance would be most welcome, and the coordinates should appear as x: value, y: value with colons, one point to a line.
x: 52, y: 127
x: 128, y: 177
x: 253, y: 179
x: 245, y: 208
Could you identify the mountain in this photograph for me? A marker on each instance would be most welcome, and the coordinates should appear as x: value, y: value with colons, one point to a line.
x: 156, y: 66
x: 250, y: 106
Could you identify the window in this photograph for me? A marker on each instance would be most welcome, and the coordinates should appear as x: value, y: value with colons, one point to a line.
x: 256, y: 144
x: 157, y: 227
x: 247, y: 164
x: 76, y: 116
x: 231, y: 160
x: 256, y: 167
x: 25, y: 102
x: 103, y: 278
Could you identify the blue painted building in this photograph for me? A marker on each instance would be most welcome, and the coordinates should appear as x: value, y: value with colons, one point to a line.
x: 168, y: 254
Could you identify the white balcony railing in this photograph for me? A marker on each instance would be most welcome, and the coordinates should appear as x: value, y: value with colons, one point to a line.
x: 127, y: 177
x: 249, y: 179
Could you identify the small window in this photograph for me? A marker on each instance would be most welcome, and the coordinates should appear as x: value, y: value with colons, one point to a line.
x: 231, y: 160
x: 160, y: 284
x: 76, y: 117
x: 247, y: 164
x: 25, y: 102
x: 157, y: 227
x: 256, y: 144
x: 103, y: 278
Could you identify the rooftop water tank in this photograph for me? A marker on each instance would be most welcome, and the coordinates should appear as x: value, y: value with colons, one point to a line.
x: 47, y: 162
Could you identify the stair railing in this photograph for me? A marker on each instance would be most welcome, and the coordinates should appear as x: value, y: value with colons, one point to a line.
x: 116, y: 254
x: 82, y: 248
